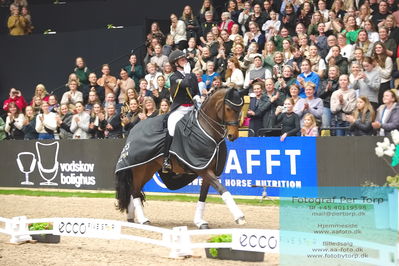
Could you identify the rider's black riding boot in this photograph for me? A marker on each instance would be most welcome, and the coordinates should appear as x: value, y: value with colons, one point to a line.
x: 167, y: 166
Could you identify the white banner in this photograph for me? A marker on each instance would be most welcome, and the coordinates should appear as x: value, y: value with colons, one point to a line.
x: 86, y: 227
x: 256, y: 240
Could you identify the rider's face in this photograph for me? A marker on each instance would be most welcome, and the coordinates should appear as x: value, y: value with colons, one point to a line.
x: 181, y: 62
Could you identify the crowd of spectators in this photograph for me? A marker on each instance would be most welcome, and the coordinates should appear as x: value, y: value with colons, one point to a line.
x: 309, y: 68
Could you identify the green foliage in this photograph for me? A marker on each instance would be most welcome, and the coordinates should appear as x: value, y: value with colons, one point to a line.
x: 218, y: 239
x: 40, y: 226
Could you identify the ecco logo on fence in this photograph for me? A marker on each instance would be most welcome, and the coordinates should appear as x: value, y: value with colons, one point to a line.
x: 256, y: 240
x: 96, y: 228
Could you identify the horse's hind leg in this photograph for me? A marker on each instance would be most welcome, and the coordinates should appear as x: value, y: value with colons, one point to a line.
x: 226, y: 196
x: 199, y: 211
x: 139, y: 180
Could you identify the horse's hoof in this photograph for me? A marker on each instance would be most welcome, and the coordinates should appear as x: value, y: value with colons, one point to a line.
x: 147, y: 222
x: 241, y: 221
x: 130, y: 220
x: 203, y: 226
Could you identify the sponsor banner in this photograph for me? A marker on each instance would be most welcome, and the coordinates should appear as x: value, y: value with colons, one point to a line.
x: 70, y: 164
x: 96, y: 228
x: 260, y: 167
x: 267, y: 241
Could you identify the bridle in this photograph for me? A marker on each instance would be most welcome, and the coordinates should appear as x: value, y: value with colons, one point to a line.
x: 223, y: 125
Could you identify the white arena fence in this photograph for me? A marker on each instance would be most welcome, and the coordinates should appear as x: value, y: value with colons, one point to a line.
x: 178, y: 239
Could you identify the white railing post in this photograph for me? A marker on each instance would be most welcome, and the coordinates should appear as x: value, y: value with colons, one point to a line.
x: 18, y: 225
x: 181, y: 243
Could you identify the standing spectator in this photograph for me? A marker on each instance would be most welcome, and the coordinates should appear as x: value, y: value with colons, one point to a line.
x: 97, y: 123
x: 64, y: 121
x: 343, y: 102
x: 255, y: 114
x: 351, y: 30
x: 167, y: 73
x: 158, y: 58
x: 232, y: 8
x: 368, y: 82
x: 271, y: 99
x: 258, y: 16
x: 387, y: 114
x: 161, y: 92
x: 210, y: 74
x: 46, y: 123
x: 113, y: 129
x: 16, y: 97
x: 226, y: 23
x: 93, y: 99
x: 390, y: 44
x: 234, y: 76
x: 80, y: 123
x: 192, y: 24
x: 107, y: 81
x: 320, y: 40
x: 134, y: 70
x: 207, y: 25
x: 131, y: 118
x: 16, y: 23
x: 123, y: 84
x: 72, y: 96
x: 28, y: 20
x: 152, y: 76
x: 14, y: 122
x: 385, y: 64
x: 82, y: 71
x: 305, y: 76
x: 178, y: 31
x: 326, y: 89
x: 258, y: 73
x: 191, y: 53
x: 289, y: 18
x: 310, y: 104
x: 318, y: 64
x: 110, y: 100
x: 371, y: 32
x: 244, y: 16
x: 380, y: 15
x: 149, y: 108
x: 294, y: 93
x: 361, y: 119
x: 143, y: 90
x: 272, y: 26
x: 287, y: 119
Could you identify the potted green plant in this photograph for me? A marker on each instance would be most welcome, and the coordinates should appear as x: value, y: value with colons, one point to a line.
x: 44, y: 238
x: 231, y: 254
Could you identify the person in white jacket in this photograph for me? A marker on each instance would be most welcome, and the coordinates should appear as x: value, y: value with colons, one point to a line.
x: 80, y: 123
x: 14, y: 122
x: 343, y: 102
x: 46, y: 123
x: 234, y: 75
x: 178, y: 32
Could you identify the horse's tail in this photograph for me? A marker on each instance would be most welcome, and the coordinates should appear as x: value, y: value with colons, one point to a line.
x: 124, y: 189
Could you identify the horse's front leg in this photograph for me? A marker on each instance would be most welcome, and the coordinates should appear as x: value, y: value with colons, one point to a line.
x: 199, y: 211
x: 227, y: 198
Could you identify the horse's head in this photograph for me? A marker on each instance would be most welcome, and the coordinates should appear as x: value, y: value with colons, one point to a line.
x: 232, y: 104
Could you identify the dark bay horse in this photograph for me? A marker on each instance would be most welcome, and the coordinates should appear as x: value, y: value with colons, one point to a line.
x: 219, y: 118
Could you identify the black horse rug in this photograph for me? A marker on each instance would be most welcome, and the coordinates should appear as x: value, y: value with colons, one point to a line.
x: 192, y: 146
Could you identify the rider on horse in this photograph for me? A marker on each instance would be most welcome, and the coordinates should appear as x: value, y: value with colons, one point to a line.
x: 184, y: 92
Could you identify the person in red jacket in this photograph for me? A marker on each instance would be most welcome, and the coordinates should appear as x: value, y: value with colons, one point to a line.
x: 15, y: 96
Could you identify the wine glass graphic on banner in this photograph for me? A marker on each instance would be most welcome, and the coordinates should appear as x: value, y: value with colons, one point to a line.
x: 26, y: 162
x: 47, y: 164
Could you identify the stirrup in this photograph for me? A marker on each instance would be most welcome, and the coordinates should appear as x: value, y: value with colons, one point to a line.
x: 166, y: 166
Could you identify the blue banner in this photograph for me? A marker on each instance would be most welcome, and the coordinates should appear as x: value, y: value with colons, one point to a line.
x: 260, y: 166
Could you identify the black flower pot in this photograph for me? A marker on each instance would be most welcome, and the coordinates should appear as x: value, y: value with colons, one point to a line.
x: 230, y: 254
x: 47, y: 238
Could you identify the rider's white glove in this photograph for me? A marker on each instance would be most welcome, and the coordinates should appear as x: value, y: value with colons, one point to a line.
x: 187, y: 68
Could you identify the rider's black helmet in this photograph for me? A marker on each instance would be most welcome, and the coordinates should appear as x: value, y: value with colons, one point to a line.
x: 175, y: 55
